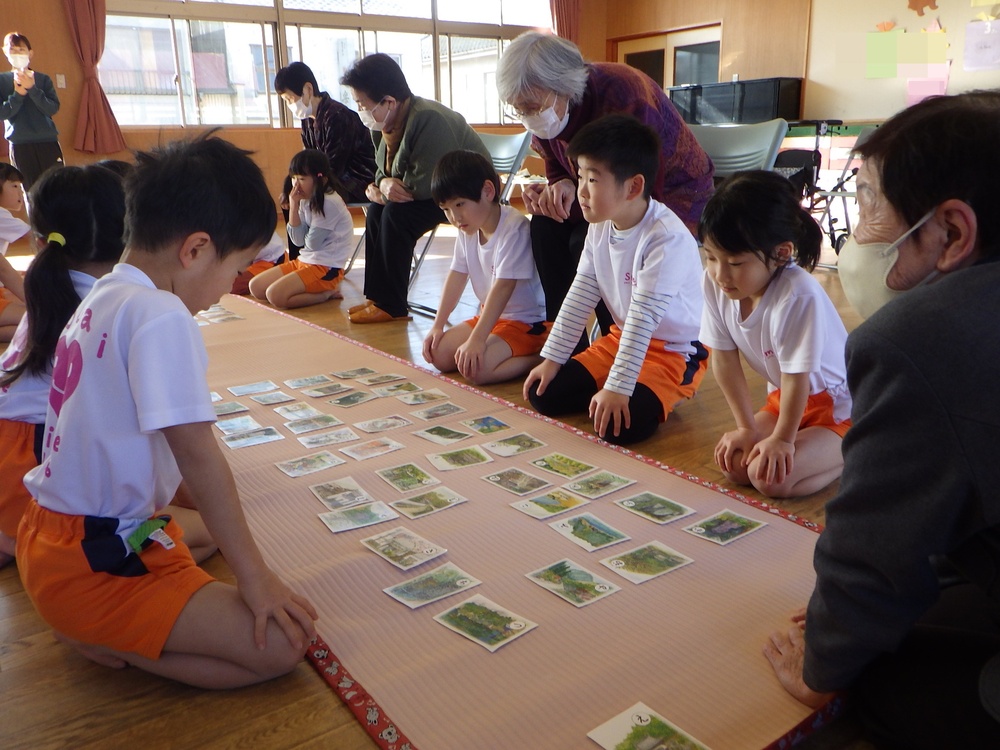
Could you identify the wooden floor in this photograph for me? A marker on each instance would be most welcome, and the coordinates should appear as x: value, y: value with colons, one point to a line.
x: 53, y: 698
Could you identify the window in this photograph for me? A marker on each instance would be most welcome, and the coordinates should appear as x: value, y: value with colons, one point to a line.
x: 209, y: 64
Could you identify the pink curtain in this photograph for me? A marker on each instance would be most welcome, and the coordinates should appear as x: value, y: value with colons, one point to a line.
x: 97, y: 131
x: 566, y: 19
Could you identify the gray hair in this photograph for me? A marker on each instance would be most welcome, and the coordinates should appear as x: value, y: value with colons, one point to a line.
x: 536, y: 60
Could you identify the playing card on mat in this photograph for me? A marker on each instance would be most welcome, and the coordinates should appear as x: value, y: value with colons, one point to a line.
x: 640, y: 727
x: 358, y: 516
x: 485, y: 622
x: 403, y: 548
x: 434, y: 585
x: 569, y: 581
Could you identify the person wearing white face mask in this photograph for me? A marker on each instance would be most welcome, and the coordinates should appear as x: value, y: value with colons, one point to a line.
x: 905, y: 613
x: 27, y: 103
x: 410, y: 134
x: 547, y: 86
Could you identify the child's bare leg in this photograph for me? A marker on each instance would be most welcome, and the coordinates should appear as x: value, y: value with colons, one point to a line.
x: 196, y: 535
x: 500, y: 364
x: 99, y: 654
x: 816, y: 463
x: 289, y: 292
x: 444, y: 355
x: 259, y: 283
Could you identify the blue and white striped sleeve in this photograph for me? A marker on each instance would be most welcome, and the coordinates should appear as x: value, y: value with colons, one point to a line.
x: 645, y: 312
x: 581, y: 299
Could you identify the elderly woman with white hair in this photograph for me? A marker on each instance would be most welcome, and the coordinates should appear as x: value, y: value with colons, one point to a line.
x: 548, y: 86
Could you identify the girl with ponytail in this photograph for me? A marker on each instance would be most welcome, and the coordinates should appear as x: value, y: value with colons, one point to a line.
x: 78, y: 218
x: 761, y: 301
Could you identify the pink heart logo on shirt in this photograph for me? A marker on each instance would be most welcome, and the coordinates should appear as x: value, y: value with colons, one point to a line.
x: 65, y: 373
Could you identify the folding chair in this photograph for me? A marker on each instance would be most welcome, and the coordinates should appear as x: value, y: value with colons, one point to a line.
x: 740, y: 147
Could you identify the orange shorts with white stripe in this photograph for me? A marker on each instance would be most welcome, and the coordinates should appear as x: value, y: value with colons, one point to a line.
x: 818, y: 412
x: 524, y: 339
x: 89, y: 586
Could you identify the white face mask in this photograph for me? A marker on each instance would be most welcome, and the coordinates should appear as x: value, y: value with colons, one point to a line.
x: 546, y: 124
x: 300, y: 110
x: 368, y: 119
x: 18, y: 61
x: 864, y: 269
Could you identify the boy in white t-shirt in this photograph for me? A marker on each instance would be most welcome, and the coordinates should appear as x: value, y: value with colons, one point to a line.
x: 493, y: 250
x: 11, y: 229
x: 643, y: 262
x: 129, y: 416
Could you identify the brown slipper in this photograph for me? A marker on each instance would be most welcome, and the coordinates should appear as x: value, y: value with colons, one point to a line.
x: 358, y: 308
x: 375, y: 315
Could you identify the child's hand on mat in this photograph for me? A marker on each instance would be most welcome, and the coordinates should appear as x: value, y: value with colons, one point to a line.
x: 607, y: 406
x: 431, y: 342
x: 267, y: 596
x: 786, y: 652
x: 469, y: 357
x: 541, y: 374
x: 733, y: 449
x: 776, y: 459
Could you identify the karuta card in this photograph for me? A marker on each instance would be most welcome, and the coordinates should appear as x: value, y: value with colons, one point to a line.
x: 309, y: 382
x: 569, y: 581
x: 432, y: 501
x: 394, y: 390
x: 251, y: 388
x: 598, y: 485
x: 648, y: 561
x: 485, y: 622
x: 268, y: 399
x: 237, y: 424
x: 353, y: 399
x: 485, y: 425
x: 655, y: 508
x: 343, y: 435
x: 358, y: 516
x: 437, y: 411
x: 442, y: 435
x: 517, y: 481
x: 589, y: 531
x: 550, y: 504
x: 301, y: 426
x: 641, y: 728
x: 253, y: 437
x: 224, y: 408
x: 459, y: 459
x: 301, y: 410
x: 388, y: 377
x: 372, y: 448
x: 403, y: 548
x: 325, y: 390
x: 407, y: 477
x: 383, y: 423
x: 724, y: 527
x: 424, y: 397
x: 564, y: 466
x: 444, y: 581
x: 214, y: 396
x: 357, y: 372
x: 513, y: 445
x: 340, y: 493
x: 299, y: 467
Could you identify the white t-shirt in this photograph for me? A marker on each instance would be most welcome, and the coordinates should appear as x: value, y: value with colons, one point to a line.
x: 794, y: 329
x: 326, y: 239
x: 11, y: 229
x: 27, y: 398
x: 129, y: 363
x: 272, y: 250
x: 505, y: 255
x: 658, y: 255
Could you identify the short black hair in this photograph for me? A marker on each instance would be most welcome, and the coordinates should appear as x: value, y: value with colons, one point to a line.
x: 10, y: 173
x: 311, y: 162
x: 16, y: 39
x: 378, y: 76
x: 944, y: 147
x: 623, y: 145
x: 200, y: 185
x: 461, y: 174
x: 294, y: 78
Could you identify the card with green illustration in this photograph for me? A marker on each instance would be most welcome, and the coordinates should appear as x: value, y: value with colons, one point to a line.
x: 353, y: 399
x: 372, y: 448
x: 311, y: 424
x: 396, y: 389
x: 442, y: 435
x: 358, y: 516
x: 334, y: 437
x: 517, y: 481
x: 432, y: 501
x: 407, y: 477
x: 485, y: 425
x: 388, y: 377
x: 238, y: 424
x: 225, y: 408
x: 485, y: 622
x: 383, y: 423
x: 655, y: 507
x: 424, y: 397
x: 598, y: 485
x: 645, y: 562
x: 332, y: 389
x: 550, y: 504
x: 250, y: 388
x: 569, y: 581
x: 641, y: 728
x: 514, y: 445
x: 269, y: 399
x: 308, y: 382
x: 357, y: 372
x: 437, y: 411
x: 299, y: 467
x: 403, y: 548
x: 252, y: 437
x: 340, y: 493
x: 563, y: 465
x: 459, y: 459
x: 444, y: 581
x: 589, y: 531
x: 299, y: 410
x: 724, y: 527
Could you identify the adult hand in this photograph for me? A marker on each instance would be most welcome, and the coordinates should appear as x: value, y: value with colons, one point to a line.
x: 557, y: 199
x: 267, y: 597
x: 24, y: 79
x: 394, y: 191
x: 531, y: 194
x: 373, y: 194
x: 607, y: 407
x: 738, y: 442
x: 776, y: 459
x: 542, y: 374
x: 786, y: 652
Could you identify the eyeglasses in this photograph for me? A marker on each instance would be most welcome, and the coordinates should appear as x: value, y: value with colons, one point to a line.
x: 363, y: 108
x: 514, y: 113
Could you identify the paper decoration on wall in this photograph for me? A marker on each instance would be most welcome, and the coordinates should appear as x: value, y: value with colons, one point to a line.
x: 900, y: 55
x: 918, y: 6
x: 985, y: 17
x: 934, y: 27
x: 918, y: 89
x: 886, y: 26
x: 982, y: 45
x: 980, y: 3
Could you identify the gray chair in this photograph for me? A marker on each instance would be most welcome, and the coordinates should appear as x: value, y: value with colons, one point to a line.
x: 743, y: 146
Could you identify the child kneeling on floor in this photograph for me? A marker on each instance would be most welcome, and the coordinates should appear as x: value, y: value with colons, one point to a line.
x: 643, y: 262
x: 493, y: 250
x: 129, y: 417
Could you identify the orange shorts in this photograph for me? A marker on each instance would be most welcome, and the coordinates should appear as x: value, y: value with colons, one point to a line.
x: 242, y: 283
x: 75, y: 571
x: 524, y: 339
x: 671, y: 376
x: 315, y: 278
x: 6, y: 299
x: 17, y: 458
x: 818, y: 413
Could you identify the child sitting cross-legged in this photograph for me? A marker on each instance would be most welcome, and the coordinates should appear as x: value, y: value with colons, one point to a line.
x: 643, y: 262
x: 493, y: 250
x: 129, y: 416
